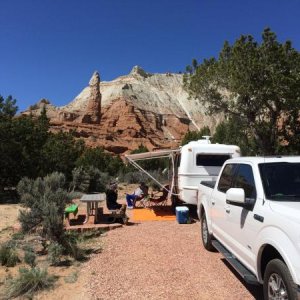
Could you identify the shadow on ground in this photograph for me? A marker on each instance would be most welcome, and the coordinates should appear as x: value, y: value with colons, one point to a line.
x: 104, y: 219
x: 255, y: 290
x: 9, y: 197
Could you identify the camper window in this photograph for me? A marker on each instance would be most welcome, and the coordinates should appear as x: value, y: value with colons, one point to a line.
x: 211, y: 160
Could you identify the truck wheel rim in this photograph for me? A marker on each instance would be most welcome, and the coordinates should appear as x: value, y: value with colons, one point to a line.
x: 276, y: 288
x: 204, y: 231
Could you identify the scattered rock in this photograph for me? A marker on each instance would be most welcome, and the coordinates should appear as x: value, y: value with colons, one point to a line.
x: 137, y: 70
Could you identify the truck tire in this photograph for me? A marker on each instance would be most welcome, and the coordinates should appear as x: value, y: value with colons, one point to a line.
x: 205, y: 235
x: 278, y: 282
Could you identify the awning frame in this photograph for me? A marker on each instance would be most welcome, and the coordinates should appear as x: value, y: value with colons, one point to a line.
x: 133, y: 158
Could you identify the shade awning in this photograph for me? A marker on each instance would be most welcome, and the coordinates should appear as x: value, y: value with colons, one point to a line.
x: 151, y: 155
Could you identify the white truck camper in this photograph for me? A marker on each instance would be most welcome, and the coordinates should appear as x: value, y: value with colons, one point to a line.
x: 189, y: 165
x: 200, y: 161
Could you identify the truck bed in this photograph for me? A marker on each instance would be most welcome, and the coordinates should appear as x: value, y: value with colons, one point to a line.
x: 210, y: 184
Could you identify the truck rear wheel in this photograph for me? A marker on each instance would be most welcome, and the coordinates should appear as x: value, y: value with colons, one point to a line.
x: 205, y: 235
x: 278, y: 282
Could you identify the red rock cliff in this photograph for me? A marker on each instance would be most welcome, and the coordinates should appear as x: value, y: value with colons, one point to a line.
x: 139, y: 108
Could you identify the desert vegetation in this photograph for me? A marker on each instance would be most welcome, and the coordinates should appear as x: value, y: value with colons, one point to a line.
x: 42, y: 242
x: 44, y: 172
x: 30, y: 150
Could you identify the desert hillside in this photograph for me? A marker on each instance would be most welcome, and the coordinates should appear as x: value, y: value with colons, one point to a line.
x: 138, y: 108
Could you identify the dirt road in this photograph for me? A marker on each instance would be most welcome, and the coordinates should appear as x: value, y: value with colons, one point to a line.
x: 161, y: 260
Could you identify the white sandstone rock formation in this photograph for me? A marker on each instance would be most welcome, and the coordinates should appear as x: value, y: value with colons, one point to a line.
x: 159, y: 93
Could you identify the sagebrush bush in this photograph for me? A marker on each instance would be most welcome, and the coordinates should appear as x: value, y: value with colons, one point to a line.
x: 46, y: 199
x: 90, y: 235
x: 137, y: 176
x: 71, y: 246
x: 29, y: 281
x: 55, y: 252
x: 72, y: 278
x: 8, y: 255
x: 134, y: 177
x: 30, y: 258
x: 18, y: 236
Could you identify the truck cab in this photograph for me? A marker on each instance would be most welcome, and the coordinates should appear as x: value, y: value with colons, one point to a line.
x: 252, y: 216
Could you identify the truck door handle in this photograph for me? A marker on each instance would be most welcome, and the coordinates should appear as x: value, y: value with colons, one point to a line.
x: 227, y: 209
x: 213, y: 202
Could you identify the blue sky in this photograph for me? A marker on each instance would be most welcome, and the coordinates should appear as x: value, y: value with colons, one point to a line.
x: 50, y: 48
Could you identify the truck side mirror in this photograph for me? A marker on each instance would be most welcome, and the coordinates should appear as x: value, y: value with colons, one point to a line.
x: 235, y: 195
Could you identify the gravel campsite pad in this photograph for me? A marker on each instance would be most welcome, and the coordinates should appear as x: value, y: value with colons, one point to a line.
x: 161, y: 260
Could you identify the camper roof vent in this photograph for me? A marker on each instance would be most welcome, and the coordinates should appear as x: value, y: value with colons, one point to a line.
x: 205, y: 140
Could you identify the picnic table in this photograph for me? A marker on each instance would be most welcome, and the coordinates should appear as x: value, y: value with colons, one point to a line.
x: 92, y: 201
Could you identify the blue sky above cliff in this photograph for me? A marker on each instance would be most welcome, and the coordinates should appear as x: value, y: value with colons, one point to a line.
x: 50, y: 48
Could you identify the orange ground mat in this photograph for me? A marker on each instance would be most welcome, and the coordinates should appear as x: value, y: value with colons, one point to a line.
x: 153, y: 214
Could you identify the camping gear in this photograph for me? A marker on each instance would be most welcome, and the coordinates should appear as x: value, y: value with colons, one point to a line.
x: 154, y: 200
x: 153, y: 214
x: 73, y: 208
x: 182, y: 214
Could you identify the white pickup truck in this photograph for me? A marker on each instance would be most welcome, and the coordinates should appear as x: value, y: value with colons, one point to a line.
x: 251, y: 214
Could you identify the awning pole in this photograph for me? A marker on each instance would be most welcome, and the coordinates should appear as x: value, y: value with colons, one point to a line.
x: 137, y: 166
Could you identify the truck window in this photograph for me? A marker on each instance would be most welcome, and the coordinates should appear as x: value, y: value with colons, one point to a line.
x: 281, y: 180
x: 244, y: 179
x: 209, y: 160
x: 226, y: 178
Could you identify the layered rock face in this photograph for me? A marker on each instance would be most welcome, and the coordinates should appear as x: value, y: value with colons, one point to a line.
x: 138, y: 108
x: 93, y: 111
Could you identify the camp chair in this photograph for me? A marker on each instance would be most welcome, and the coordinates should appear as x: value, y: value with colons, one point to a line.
x: 161, y: 200
x: 141, y: 201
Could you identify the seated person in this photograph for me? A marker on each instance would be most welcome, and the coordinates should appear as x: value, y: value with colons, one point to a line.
x: 112, y: 196
x: 137, y: 195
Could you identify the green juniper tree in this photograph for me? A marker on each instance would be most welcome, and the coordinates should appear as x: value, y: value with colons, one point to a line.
x: 89, y: 180
x: 195, y: 135
x: 257, y: 84
x: 233, y: 132
x: 8, y: 107
x: 9, y: 148
x: 97, y: 158
x: 21, y: 141
x: 60, y: 153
